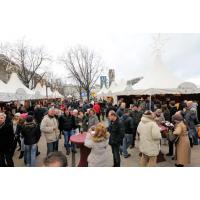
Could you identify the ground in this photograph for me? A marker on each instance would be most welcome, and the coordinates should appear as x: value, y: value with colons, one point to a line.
x: 132, y: 161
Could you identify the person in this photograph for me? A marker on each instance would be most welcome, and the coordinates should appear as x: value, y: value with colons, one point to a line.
x: 166, y: 113
x: 128, y: 137
x: 39, y: 113
x: 191, y: 119
x: 67, y: 126
x: 6, y: 142
x: 97, y: 141
x: 93, y: 119
x: 120, y: 110
x: 116, y: 130
x: 55, y: 159
x: 159, y: 117
x: 49, y: 127
x: 136, y: 115
x: 15, y: 122
x: 150, y: 136
x: 97, y: 109
x: 31, y: 133
x: 183, y: 151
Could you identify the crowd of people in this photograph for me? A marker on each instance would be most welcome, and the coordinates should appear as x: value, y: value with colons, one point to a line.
x: 105, y: 124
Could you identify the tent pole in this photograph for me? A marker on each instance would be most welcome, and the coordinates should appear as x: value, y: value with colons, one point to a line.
x: 150, y: 102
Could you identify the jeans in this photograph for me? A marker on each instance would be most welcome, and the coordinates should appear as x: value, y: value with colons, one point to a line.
x: 67, y: 135
x: 30, y: 154
x: 51, y: 147
x: 6, y: 159
x: 116, y: 155
x: 127, y: 141
x: 193, y: 134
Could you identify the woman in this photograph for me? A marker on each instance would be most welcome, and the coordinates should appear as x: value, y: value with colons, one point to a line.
x: 97, y: 140
x: 15, y: 122
x: 150, y: 137
x: 6, y: 142
x: 183, y: 151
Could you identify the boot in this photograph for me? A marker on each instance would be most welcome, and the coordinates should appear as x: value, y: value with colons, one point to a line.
x: 68, y: 151
x: 21, y: 155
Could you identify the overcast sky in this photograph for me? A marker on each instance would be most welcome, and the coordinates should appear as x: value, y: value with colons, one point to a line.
x: 58, y: 25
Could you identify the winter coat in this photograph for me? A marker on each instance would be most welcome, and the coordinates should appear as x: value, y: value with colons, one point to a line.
x: 67, y: 122
x: 191, y: 118
x: 39, y: 114
x: 97, y: 108
x: 98, y: 156
x: 31, y: 133
x: 47, y: 128
x: 150, y: 136
x: 167, y: 115
x: 128, y: 124
x: 110, y: 107
x: 183, y: 151
x: 85, y: 123
x: 136, y: 116
x: 117, y: 132
x: 120, y: 112
x: 93, y: 120
x: 6, y: 137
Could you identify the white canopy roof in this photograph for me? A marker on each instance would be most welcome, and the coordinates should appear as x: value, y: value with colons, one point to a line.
x: 15, y: 84
x: 157, y: 77
x: 39, y: 91
x: 56, y: 94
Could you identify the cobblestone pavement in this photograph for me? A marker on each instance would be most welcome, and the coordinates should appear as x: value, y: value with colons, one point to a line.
x: 132, y: 161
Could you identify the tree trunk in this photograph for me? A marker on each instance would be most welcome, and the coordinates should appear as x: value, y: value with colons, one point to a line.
x: 88, y: 94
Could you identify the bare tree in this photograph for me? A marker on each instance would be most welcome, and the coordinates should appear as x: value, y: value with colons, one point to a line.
x: 84, y: 66
x: 26, y: 61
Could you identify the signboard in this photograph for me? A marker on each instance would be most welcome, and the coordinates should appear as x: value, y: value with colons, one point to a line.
x: 103, y: 81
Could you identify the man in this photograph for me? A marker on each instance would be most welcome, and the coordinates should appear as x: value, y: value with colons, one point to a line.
x: 136, y: 115
x: 93, y: 119
x: 67, y: 125
x: 6, y: 142
x: 116, y: 130
x: 49, y: 127
x: 120, y: 110
x: 191, y: 119
x: 55, y: 159
x: 128, y: 137
x: 31, y: 133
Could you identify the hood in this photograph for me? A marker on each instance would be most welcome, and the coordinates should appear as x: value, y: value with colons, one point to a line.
x: 146, y: 119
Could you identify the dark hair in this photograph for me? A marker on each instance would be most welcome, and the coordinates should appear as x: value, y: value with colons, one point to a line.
x: 56, y: 157
x: 29, y: 119
x: 113, y: 113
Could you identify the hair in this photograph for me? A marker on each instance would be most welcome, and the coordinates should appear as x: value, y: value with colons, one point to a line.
x: 94, y: 112
x: 113, y: 113
x: 3, y: 114
x: 55, y: 157
x: 101, y: 133
x: 148, y: 112
x: 29, y: 119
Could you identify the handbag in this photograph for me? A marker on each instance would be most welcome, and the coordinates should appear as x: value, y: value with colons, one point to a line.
x: 173, y: 138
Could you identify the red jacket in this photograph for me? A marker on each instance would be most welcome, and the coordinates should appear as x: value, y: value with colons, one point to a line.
x: 97, y: 108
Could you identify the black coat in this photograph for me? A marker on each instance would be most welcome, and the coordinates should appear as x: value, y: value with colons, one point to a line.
x: 117, y: 132
x: 31, y: 133
x: 128, y: 124
x: 39, y: 114
x: 6, y: 137
x: 67, y: 123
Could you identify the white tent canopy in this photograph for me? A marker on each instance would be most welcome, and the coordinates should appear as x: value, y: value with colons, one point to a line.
x: 57, y: 95
x: 17, y: 90
x: 157, y: 77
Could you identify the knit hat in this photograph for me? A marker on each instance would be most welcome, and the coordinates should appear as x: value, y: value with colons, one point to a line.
x: 29, y: 119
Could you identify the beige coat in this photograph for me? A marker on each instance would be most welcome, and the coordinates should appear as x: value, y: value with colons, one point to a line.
x: 99, y: 152
x: 150, y: 136
x: 49, y: 127
x: 183, y: 151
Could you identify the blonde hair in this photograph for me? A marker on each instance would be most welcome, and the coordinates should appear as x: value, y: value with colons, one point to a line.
x: 101, y: 133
